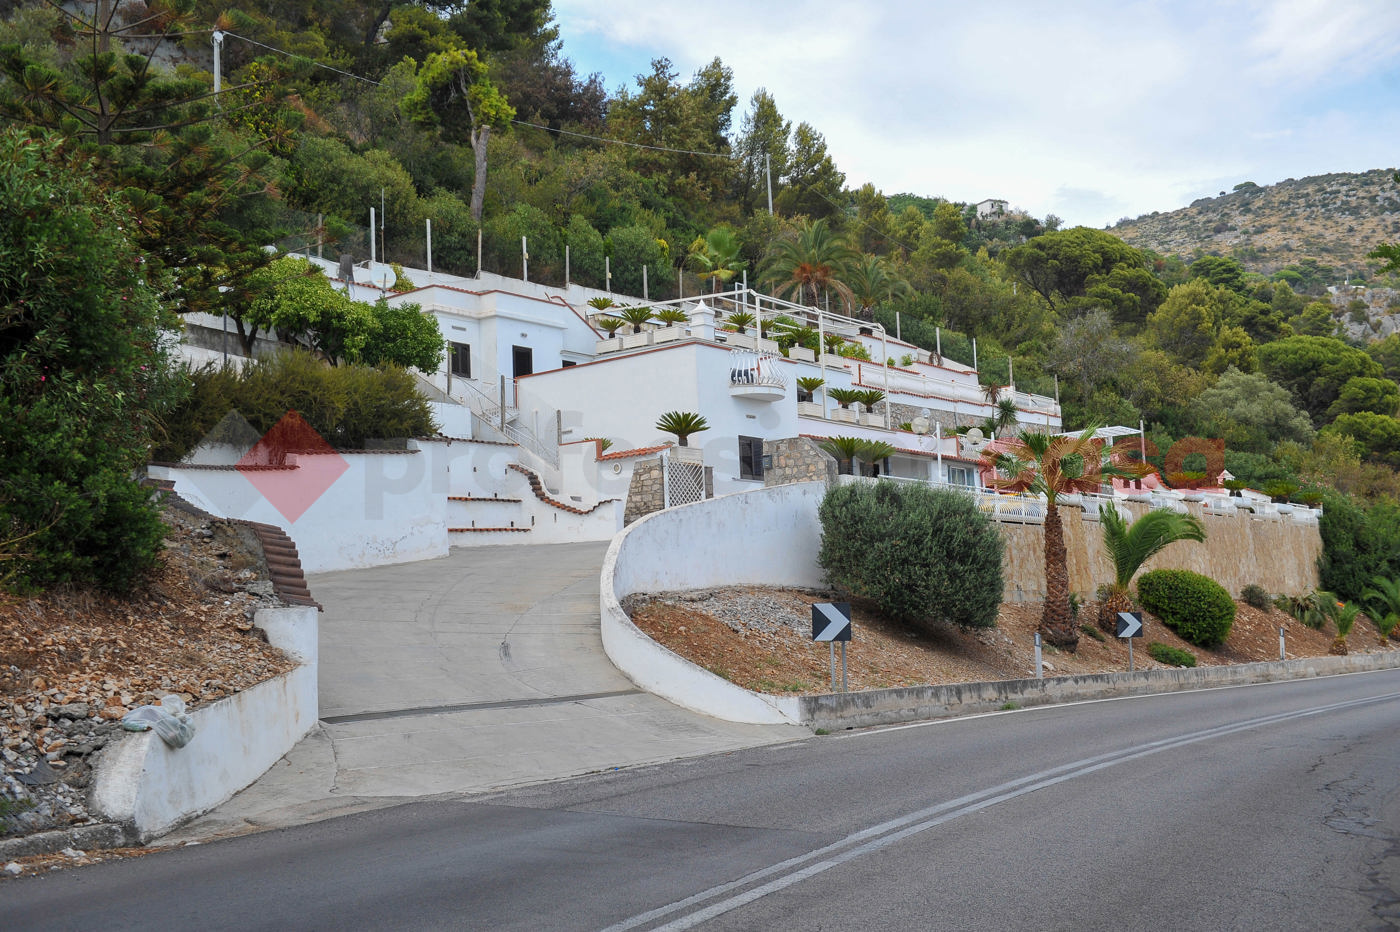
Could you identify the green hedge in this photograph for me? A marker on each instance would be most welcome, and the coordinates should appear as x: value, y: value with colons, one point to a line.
x: 1196, y: 607
x: 919, y: 553
x: 346, y: 405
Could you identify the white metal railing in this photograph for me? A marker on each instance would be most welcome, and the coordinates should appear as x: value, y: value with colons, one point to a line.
x: 489, y: 413
x: 750, y: 367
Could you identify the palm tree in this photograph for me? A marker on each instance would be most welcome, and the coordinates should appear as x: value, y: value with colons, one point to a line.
x: 1005, y: 417
x: 1343, y: 615
x: 672, y: 315
x: 1130, y: 546
x: 808, y: 385
x: 682, y: 424
x: 611, y: 324
x: 1382, y: 602
x: 1054, y: 466
x: 716, y: 256
x: 808, y: 261
x: 872, y: 281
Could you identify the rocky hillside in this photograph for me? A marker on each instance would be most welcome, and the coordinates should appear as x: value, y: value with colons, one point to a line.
x: 1333, y: 219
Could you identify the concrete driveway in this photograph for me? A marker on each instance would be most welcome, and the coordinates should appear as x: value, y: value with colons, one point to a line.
x: 481, y: 670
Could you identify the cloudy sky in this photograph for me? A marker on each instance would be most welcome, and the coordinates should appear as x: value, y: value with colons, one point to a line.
x: 1088, y: 109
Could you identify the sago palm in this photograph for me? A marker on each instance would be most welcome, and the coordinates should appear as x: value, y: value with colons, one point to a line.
x: 1053, y: 466
x: 682, y: 424
x: 636, y: 315
x: 1129, y: 546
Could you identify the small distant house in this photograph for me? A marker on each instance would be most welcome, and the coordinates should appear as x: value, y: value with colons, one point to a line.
x: 991, y: 207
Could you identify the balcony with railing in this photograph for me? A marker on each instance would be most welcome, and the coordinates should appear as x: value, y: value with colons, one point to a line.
x: 756, y: 376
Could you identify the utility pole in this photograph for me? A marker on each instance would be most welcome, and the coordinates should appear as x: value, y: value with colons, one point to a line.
x: 768, y: 171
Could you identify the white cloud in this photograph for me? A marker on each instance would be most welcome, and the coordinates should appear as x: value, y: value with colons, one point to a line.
x: 1091, y: 109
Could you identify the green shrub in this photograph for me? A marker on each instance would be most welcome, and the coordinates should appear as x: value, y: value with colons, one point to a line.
x: 83, y: 377
x: 346, y: 405
x: 1171, y: 656
x: 1196, y: 607
x: 1256, y: 596
x: 919, y: 553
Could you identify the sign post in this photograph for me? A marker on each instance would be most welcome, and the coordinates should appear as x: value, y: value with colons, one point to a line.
x: 1130, y: 626
x: 831, y: 622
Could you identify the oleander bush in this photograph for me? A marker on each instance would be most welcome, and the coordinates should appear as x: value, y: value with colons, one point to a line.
x: 1196, y: 607
x: 920, y: 554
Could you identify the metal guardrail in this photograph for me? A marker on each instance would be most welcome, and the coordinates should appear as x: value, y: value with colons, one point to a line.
x: 749, y: 367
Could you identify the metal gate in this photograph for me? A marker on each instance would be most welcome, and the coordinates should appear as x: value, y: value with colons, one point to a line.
x: 682, y: 480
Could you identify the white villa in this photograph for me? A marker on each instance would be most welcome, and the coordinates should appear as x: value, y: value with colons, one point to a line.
x: 565, y: 383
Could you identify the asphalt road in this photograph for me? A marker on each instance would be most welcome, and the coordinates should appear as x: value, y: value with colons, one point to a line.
x: 1258, y: 807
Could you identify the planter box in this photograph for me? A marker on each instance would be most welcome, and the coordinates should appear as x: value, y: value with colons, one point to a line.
x: 802, y: 354
x: 610, y: 345
x: 668, y: 334
x: 739, y: 340
x: 844, y: 415
x: 809, y: 409
x: 769, y: 346
x: 634, y: 340
x: 873, y: 420
x: 693, y: 455
x: 831, y: 359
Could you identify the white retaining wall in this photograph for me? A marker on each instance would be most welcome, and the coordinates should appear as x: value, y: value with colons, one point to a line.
x: 765, y: 537
x: 150, y: 787
x: 384, y: 508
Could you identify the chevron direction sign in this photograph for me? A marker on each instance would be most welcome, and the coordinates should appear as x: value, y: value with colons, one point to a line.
x: 831, y: 621
x: 1130, y: 624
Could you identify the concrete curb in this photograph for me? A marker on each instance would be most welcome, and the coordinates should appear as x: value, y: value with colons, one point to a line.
x: 919, y: 703
x: 83, y: 838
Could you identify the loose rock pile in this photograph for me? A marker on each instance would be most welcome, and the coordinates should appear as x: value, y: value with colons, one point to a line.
x: 73, y: 663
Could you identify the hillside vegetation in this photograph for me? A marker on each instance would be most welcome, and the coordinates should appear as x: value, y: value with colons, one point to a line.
x: 473, y: 117
x: 1327, y: 223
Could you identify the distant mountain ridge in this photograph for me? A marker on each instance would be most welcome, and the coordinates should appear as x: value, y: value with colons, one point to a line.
x: 1335, y: 219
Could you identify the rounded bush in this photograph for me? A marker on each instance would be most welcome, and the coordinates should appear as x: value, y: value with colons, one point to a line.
x: 1172, y: 656
x: 919, y: 553
x: 1196, y: 607
x: 1256, y: 596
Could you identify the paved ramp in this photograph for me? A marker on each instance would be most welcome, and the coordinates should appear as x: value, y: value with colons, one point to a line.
x: 480, y: 670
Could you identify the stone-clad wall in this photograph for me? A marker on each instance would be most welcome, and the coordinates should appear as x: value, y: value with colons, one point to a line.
x: 647, y: 491
x: 1238, y: 550
x: 797, y: 459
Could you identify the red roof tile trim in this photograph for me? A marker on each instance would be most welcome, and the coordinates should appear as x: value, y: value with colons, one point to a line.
x: 628, y: 454
x: 537, y: 487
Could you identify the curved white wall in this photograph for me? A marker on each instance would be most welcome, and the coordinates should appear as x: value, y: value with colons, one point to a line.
x: 765, y: 537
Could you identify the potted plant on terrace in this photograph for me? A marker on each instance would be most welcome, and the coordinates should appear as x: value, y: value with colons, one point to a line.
x: 870, y: 398
x: 682, y: 424
x: 845, y: 397
x: 807, y: 404
x: 673, y: 321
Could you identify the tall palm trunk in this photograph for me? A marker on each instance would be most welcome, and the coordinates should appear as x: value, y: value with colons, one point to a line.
x: 1057, y: 624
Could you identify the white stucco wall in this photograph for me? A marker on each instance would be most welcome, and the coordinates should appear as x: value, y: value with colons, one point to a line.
x: 142, y: 782
x: 768, y: 537
x: 384, y: 508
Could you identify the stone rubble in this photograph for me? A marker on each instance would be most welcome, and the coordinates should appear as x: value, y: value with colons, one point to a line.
x: 73, y: 663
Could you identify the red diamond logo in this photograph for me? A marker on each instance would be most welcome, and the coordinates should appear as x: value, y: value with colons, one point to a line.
x: 292, y: 466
